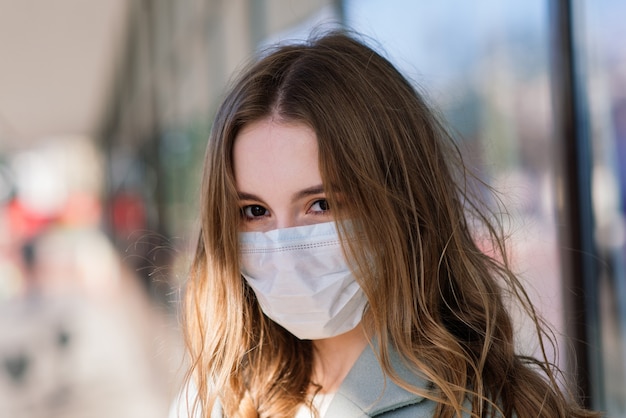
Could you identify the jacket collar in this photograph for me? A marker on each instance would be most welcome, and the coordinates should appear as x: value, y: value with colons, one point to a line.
x: 367, y: 391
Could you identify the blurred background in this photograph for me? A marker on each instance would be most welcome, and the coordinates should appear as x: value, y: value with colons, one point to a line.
x: 105, y: 108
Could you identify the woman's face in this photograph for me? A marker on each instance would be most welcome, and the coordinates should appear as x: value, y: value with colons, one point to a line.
x: 278, y: 177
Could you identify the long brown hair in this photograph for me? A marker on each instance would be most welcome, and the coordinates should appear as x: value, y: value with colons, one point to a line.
x: 389, y: 165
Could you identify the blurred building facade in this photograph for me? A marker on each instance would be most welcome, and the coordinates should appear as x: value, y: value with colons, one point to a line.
x: 536, y: 91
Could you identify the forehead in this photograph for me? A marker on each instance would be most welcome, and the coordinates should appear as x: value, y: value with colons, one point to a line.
x: 269, y: 152
x: 268, y: 133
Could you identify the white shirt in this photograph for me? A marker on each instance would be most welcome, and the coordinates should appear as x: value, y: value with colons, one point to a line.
x: 321, y: 401
x: 181, y: 406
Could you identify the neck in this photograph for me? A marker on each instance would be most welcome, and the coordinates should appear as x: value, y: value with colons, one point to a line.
x: 334, y: 357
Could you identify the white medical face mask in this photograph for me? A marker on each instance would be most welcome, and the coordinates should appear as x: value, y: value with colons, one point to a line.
x: 302, y: 280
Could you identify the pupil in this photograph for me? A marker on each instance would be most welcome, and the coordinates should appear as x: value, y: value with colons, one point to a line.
x: 323, y: 205
x: 257, y: 210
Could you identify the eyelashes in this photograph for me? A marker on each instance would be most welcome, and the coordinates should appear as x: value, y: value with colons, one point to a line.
x: 319, y: 206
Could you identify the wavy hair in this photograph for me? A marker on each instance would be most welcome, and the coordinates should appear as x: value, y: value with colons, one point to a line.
x: 390, y: 166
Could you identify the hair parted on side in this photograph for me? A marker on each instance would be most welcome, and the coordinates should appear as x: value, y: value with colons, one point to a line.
x: 389, y: 165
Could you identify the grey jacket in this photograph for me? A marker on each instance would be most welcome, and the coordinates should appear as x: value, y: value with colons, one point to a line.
x: 367, y: 392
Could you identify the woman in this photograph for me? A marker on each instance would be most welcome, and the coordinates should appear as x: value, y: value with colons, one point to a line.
x: 337, y: 271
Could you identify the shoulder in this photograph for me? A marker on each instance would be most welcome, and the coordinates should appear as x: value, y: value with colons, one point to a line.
x: 183, y: 404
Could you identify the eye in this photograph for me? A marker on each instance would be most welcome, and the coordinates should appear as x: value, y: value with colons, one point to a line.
x: 254, y: 211
x: 320, y: 206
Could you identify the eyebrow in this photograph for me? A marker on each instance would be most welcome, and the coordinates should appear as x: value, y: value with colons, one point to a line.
x: 248, y: 196
x: 319, y: 189
x: 313, y: 190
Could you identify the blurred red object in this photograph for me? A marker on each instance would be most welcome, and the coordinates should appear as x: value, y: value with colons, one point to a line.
x: 129, y: 214
x: 25, y: 223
